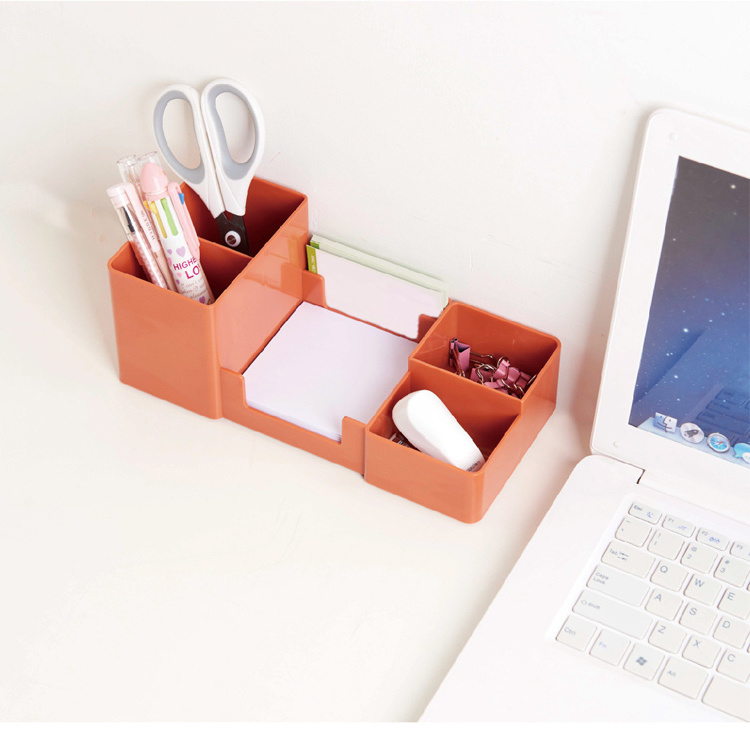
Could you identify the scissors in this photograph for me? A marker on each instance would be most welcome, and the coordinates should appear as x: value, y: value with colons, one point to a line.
x: 220, y: 181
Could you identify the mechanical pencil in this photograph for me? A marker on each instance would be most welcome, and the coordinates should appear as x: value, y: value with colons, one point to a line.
x: 123, y: 197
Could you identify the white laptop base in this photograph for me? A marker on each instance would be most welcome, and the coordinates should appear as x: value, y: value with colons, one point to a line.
x: 514, y: 669
x: 632, y: 600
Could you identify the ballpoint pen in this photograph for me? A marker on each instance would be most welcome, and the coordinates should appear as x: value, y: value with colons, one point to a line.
x: 167, y: 208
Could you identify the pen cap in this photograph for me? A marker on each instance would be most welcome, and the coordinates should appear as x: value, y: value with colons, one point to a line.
x: 117, y: 195
x: 154, y: 181
x: 131, y: 167
x: 125, y: 165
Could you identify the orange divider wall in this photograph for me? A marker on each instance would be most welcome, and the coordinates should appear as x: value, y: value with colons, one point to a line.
x: 194, y: 355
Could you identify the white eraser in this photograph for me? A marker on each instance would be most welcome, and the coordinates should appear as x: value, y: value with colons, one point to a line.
x: 426, y: 422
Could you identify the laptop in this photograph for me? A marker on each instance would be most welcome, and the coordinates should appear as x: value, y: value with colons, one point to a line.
x: 631, y: 601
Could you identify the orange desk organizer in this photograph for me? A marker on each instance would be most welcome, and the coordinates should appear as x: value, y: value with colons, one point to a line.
x: 194, y: 355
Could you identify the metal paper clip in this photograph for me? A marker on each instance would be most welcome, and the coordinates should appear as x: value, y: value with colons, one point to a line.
x: 399, y: 439
x: 485, y: 368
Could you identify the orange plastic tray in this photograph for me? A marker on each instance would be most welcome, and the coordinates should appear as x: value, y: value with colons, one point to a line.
x: 502, y: 426
x: 194, y: 355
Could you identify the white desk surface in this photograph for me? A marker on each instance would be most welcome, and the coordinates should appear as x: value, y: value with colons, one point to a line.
x: 158, y: 565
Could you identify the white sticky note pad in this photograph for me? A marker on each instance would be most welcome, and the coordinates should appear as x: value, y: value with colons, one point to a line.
x: 376, y: 297
x: 322, y: 366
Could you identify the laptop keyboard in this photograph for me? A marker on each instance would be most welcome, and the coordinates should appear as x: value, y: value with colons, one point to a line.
x: 669, y: 602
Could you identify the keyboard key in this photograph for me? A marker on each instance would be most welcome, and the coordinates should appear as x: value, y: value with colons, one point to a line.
x: 729, y: 697
x: 664, y: 604
x: 703, y: 589
x: 701, y: 651
x: 646, y: 513
x: 669, y: 575
x: 741, y: 550
x: 576, y: 633
x: 624, y: 557
x: 633, y: 531
x: 680, y: 526
x: 698, y: 618
x: 665, y: 544
x: 699, y: 558
x: 683, y: 677
x: 625, y: 588
x: 736, y: 602
x: 733, y: 632
x: 603, y: 610
x: 732, y: 571
x: 667, y: 637
x: 644, y: 661
x: 669, y: 601
x: 610, y: 647
x: 735, y: 665
x: 712, y: 539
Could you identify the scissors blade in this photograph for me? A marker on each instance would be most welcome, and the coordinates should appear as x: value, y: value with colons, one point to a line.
x: 232, y: 233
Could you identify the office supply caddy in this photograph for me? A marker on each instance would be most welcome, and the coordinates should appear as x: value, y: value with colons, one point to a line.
x: 196, y: 355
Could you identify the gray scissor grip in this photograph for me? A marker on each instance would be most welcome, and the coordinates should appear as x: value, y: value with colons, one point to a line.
x: 192, y: 176
x: 233, y: 169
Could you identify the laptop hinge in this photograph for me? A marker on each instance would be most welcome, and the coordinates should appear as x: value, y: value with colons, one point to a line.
x: 652, y: 481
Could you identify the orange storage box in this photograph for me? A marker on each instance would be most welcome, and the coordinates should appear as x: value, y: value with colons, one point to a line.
x: 194, y: 355
x: 502, y: 426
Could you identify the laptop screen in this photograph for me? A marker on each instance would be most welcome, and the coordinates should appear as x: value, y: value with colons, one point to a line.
x: 693, y: 383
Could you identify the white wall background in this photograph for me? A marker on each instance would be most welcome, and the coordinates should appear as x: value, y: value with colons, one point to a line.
x: 491, y: 144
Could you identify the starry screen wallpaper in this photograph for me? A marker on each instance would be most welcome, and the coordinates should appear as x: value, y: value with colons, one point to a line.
x: 693, y: 383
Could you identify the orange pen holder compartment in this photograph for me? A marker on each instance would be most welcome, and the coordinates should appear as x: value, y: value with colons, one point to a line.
x: 194, y: 355
x: 173, y: 347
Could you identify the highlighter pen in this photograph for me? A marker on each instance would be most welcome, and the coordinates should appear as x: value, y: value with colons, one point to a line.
x: 123, y: 205
x: 186, y: 268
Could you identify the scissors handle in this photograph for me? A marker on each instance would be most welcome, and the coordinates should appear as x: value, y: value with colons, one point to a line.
x: 219, y: 180
x: 203, y: 177
x: 234, y: 177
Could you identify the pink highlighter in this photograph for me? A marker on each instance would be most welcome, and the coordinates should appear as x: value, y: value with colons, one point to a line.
x: 176, y: 233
